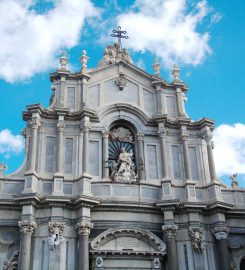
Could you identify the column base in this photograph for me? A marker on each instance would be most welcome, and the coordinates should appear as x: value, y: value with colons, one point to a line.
x: 31, y: 183
x: 84, y: 185
x: 58, y: 185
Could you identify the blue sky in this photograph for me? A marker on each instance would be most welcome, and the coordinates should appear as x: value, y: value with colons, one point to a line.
x: 205, y: 38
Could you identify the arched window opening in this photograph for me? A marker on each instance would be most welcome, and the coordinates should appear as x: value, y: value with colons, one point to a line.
x: 122, y: 160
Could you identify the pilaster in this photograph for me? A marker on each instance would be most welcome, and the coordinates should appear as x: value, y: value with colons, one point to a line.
x: 105, y: 137
x: 141, y: 169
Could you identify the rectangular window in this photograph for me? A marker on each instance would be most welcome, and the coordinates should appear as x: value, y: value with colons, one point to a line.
x: 193, y: 161
x: 68, y: 155
x: 176, y: 161
x: 152, y: 161
x: 94, y: 158
x: 70, y: 97
x: 50, y: 154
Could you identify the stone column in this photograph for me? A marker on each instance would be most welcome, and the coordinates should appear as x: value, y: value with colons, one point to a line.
x: 208, y: 139
x: 221, y: 233
x: 105, y: 155
x: 60, y: 150
x: 83, y: 229
x: 183, y: 138
x: 35, y: 123
x: 170, y: 233
x: 27, y: 227
x: 164, y: 156
x: 140, y: 139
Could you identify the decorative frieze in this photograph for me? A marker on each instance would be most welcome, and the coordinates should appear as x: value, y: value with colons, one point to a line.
x: 170, y: 230
x: 27, y: 226
x: 84, y: 227
x: 56, y: 230
x: 220, y: 232
x: 196, y: 234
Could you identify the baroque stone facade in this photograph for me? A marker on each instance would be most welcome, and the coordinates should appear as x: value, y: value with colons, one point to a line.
x: 118, y: 176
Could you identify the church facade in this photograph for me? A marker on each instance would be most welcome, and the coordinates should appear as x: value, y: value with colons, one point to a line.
x: 117, y: 176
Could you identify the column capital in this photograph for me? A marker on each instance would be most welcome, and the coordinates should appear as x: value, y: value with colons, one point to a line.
x: 220, y: 232
x: 170, y: 230
x: 84, y: 227
x: 162, y: 133
x: 61, y: 126
x: 27, y: 226
x: 140, y: 137
x: 35, y: 123
x: 85, y: 128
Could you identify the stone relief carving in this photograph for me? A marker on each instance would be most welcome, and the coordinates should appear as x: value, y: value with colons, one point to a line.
x: 121, y: 134
x: 99, y: 262
x: 12, y: 263
x: 156, y: 263
x: 196, y: 235
x: 121, y: 81
x: 124, y: 169
x: 56, y: 238
x: 113, y: 53
x: 4, y: 245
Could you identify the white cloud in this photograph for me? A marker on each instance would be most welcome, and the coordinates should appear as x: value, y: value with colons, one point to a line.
x: 30, y: 41
x: 169, y: 29
x: 229, y: 151
x: 10, y: 144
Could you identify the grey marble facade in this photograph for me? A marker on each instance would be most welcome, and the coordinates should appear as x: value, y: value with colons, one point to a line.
x: 81, y: 202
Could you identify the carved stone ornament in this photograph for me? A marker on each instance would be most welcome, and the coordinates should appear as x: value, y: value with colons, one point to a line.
x: 121, y: 134
x: 27, y: 226
x: 4, y: 245
x: 99, y: 262
x: 121, y: 81
x: 196, y: 235
x: 220, y: 232
x: 56, y: 238
x: 84, y: 227
x: 35, y: 123
x: 156, y: 263
x: 113, y: 53
x: 61, y: 126
x: 12, y: 263
x: 170, y: 230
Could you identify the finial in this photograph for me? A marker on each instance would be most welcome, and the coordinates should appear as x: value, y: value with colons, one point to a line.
x: 3, y: 168
x: 156, y: 67
x: 119, y: 34
x: 63, y: 60
x: 176, y: 73
x: 84, y: 60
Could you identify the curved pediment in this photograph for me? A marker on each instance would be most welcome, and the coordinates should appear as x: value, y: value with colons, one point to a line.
x: 128, y: 240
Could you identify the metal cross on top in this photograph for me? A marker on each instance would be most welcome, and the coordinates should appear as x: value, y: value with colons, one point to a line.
x: 119, y: 34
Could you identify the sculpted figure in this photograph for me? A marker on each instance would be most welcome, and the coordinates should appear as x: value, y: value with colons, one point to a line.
x: 123, y: 170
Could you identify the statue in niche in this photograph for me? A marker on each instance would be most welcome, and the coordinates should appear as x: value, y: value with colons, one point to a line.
x: 124, y: 169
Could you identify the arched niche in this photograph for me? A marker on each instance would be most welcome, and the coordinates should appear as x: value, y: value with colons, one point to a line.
x: 128, y: 248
